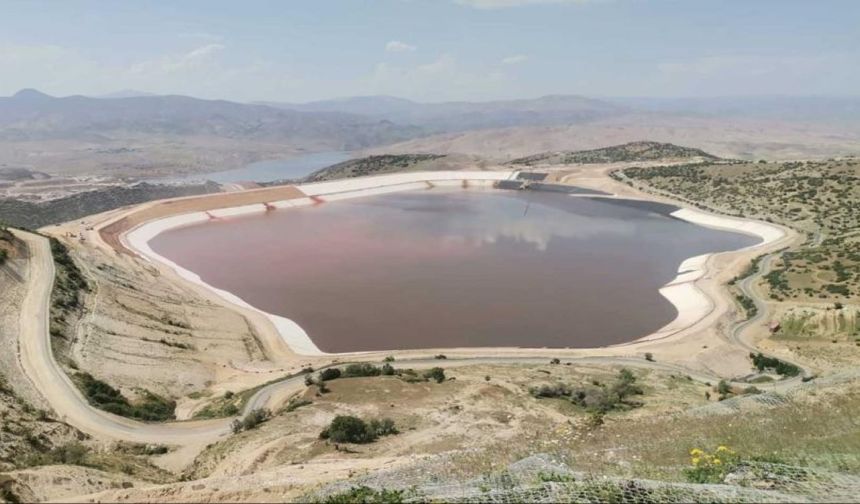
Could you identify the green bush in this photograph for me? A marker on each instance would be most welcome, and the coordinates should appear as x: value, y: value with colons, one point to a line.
x: 253, y: 419
x: 366, y: 495
x: 360, y: 370
x: 350, y: 429
x: 762, y: 362
x: 436, y: 373
x: 384, y: 427
x: 151, y: 408
x: 597, y: 398
x: 330, y: 374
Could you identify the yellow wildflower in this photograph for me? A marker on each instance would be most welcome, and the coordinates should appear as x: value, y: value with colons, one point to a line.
x: 696, y: 452
x: 717, y: 461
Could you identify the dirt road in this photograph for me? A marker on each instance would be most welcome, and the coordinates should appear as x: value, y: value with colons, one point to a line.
x: 52, y: 382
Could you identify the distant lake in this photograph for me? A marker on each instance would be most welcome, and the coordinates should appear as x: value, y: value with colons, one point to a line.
x: 453, y: 267
x: 268, y: 171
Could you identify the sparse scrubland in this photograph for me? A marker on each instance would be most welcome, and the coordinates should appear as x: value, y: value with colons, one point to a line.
x: 374, y: 165
x: 633, y: 151
x: 819, y: 198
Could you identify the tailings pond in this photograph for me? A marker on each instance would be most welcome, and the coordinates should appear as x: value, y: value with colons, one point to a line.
x: 453, y: 268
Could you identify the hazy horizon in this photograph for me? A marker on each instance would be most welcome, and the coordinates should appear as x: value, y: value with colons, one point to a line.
x: 451, y: 50
x: 133, y: 93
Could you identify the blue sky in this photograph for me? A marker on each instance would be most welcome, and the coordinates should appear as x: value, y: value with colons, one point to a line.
x: 432, y: 50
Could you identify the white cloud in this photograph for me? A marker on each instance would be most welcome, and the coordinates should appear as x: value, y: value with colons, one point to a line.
x: 398, y: 46
x: 515, y: 60
x: 441, y: 79
x: 504, y: 4
x: 198, y: 58
x: 443, y: 64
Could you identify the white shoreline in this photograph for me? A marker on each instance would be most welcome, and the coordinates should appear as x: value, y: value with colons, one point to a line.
x: 691, y: 303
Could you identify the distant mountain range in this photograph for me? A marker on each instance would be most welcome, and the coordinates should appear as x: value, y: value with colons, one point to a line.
x: 463, y: 116
x: 359, y: 122
x: 32, y: 115
x: 786, y: 108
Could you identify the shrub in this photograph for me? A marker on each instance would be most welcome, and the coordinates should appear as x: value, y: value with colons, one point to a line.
x: 384, y: 427
x: 362, y: 369
x: 436, y: 373
x: 388, y: 369
x: 72, y: 453
x: 253, y: 419
x: 596, y: 399
x: 390, y: 358
x: 649, y: 356
x: 330, y: 374
x: 441, y: 357
x: 151, y: 407
x: 724, y: 389
x: 554, y: 477
x: 363, y: 494
x: 762, y: 362
x: 350, y: 429
x: 557, y: 390
x: 555, y: 360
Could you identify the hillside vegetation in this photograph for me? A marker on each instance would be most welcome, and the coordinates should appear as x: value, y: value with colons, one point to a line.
x: 7, y: 245
x: 819, y: 198
x: 29, y: 215
x: 633, y: 151
x: 374, y: 165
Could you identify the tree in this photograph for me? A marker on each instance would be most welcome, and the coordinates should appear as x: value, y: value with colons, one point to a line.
x: 348, y: 429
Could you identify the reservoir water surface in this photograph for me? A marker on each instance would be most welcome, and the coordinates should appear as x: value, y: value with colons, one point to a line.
x: 453, y: 268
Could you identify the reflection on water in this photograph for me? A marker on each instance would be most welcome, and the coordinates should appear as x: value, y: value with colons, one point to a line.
x: 452, y: 268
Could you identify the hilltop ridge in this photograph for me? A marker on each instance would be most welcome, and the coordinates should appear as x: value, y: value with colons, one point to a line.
x: 631, y: 151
